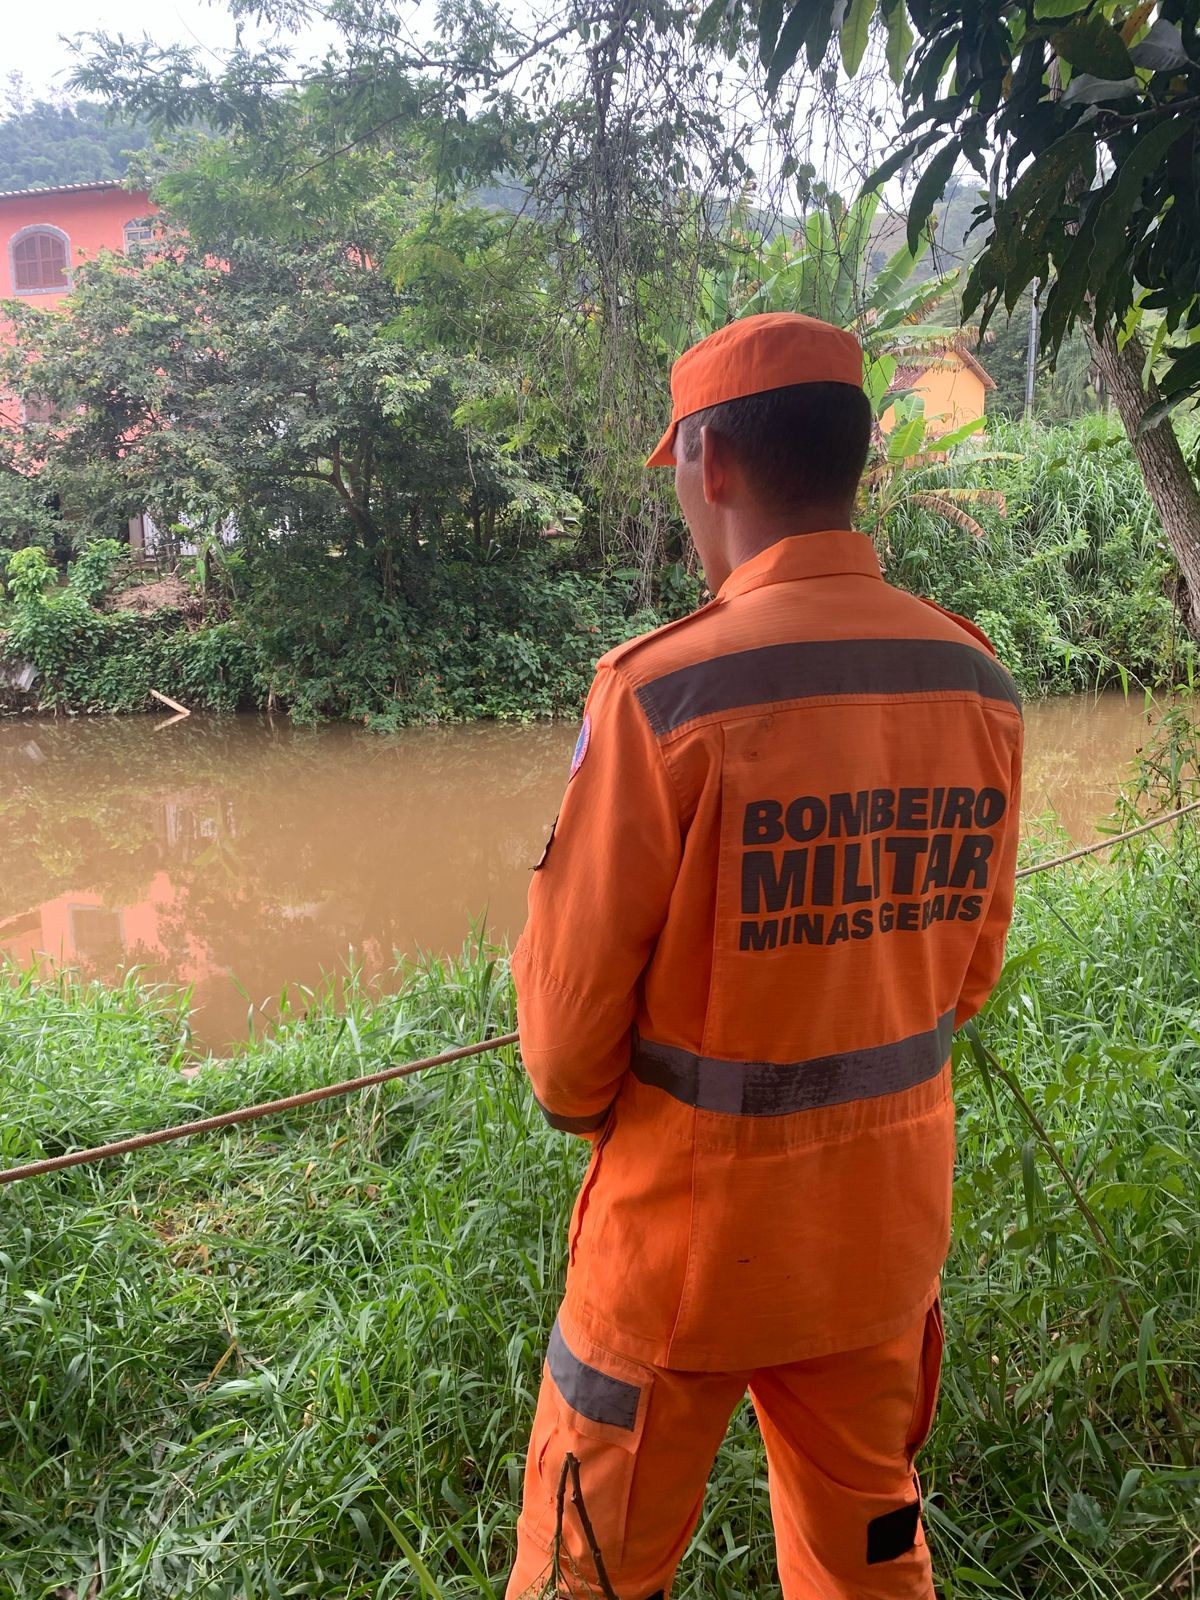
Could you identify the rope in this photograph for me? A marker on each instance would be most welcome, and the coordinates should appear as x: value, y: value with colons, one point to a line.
x: 184, y: 1130
x: 1107, y: 844
x: 265, y: 1108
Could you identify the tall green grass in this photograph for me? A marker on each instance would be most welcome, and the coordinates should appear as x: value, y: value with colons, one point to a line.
x: 1075, y: 583
x: 300, y: 1359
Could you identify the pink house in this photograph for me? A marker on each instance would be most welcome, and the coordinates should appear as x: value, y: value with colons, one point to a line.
x: 46, y: 233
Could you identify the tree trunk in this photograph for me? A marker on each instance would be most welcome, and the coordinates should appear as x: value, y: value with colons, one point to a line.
x: 1171, y: 485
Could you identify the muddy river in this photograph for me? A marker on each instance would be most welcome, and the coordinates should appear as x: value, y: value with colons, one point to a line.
x: 239, y: 855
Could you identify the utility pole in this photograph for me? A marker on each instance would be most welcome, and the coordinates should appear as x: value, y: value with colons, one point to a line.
x: 1031, y: 350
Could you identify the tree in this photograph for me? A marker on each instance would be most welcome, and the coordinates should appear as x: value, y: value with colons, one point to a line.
x: 272, y: 382
x: 42, y: 143
x: 1082, y: 117
x: 624, y: 129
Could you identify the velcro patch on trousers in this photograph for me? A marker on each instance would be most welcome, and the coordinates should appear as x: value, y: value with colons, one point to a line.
x: 589, y: 1391
x: 893, y: 1534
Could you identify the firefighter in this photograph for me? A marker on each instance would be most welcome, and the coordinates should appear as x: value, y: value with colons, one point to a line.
x: 781, y: 877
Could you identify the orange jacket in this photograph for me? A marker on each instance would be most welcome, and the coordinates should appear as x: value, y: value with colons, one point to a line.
x: 782, y: 874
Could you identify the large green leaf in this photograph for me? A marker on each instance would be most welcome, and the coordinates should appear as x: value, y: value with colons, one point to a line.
x: 878, y: 373
x: 1162, y: 50
x: 900, y: 158
x: 1093, y: 46
x: 1112, y: 236
x: 930, y: 190
x: 820, y: 29
x: 851, y: 253
x: 1183, y: 375
x: 782, y: 57
x: 899, y: 39
x: 947, y: 441
x: 894, y: 275
x: 907, y: 438
x: 1086, y: 89
x: 770, y: 17
x: 1046, y: 10
x: 856, y: 31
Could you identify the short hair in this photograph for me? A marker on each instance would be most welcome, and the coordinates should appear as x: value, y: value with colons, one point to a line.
x: 803, y: 445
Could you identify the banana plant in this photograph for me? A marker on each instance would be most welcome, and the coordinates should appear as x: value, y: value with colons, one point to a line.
x: 912, y: 469
x: 823, y: 270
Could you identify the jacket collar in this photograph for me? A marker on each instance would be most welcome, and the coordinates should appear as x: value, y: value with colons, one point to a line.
x: 804, y: 555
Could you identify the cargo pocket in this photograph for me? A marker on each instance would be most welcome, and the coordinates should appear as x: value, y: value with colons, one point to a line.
x: 598, y: 1416
x: 929, y: 1376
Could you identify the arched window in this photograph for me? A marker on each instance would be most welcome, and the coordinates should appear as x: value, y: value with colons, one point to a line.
x: 39, y: 261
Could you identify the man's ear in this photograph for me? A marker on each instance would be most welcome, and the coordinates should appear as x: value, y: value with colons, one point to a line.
x: 714, y: 465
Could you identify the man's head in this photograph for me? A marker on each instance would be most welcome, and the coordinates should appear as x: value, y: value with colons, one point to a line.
x: 769, y: 435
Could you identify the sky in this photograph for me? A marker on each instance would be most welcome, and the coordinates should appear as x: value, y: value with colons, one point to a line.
x: 32, y: 43
x: 34, y: 46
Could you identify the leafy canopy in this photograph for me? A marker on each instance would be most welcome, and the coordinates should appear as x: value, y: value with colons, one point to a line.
x: 43, y: 144
x: 1082, y: 120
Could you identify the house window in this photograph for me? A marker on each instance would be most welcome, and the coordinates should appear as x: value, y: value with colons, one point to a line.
x: 138, y: 234
x: 39, y: 261
x: 97, y: 934
x: 38, y: 409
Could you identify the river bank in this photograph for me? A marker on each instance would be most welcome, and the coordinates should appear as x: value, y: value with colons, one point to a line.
x: 301, y: 1357
x: 1062, y: 563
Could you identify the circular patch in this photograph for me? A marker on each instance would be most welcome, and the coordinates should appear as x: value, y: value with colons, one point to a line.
x: 581, y: 746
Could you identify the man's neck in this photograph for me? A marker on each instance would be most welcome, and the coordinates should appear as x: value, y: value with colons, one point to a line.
x: 749, y: 536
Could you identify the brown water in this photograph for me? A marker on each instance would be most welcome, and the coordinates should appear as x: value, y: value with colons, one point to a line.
x: 244, y: 854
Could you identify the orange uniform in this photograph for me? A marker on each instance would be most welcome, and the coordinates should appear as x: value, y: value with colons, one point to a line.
x: 782, y: 874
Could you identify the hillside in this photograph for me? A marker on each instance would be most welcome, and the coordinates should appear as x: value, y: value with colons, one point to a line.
x: 43, y: 143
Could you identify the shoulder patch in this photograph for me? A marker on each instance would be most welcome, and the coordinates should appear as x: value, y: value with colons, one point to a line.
x: 582, y: 745
x: 964, y: 623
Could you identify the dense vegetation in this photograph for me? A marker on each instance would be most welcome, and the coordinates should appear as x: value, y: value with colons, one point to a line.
x: 1072, y: 582
x: 45, y: 142
x: 515, y: 640
x: 397, y: 437
x: 301, y: 1358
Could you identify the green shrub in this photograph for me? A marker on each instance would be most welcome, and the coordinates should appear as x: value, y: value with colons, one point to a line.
x: 516, y: 640
x: 1074, y: 586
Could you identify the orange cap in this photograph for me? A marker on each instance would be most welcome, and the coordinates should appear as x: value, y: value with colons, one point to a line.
x: 772, y: 351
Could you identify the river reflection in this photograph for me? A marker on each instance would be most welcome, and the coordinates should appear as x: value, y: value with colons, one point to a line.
x: 244, y: 854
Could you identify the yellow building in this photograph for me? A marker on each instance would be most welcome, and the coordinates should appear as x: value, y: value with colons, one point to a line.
x: 952, y: 384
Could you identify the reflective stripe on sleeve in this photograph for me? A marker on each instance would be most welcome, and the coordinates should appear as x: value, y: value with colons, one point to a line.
x: 820, y: 669
x: 594, y: 1394
x: 777, y: 1089
x: 574, y: 1124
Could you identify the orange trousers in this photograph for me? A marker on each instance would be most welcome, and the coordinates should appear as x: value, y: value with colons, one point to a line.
x: 841, y: 1432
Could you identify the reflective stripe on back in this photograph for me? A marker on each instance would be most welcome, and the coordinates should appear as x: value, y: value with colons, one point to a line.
x: 818, y: 669
x: 777, y: 1089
